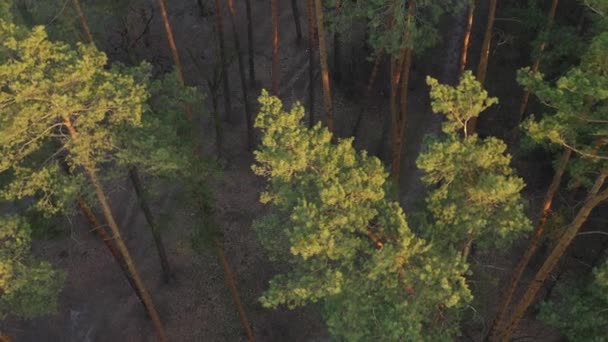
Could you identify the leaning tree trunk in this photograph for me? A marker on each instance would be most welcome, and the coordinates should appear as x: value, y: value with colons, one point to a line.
x: 219, y: 24
x: 237, y: 46
x: 533, y: 245
x: 107, y: 241
x: 171, y: 39
x: 400, y: 82
x: 311, y: 61
x: 296, y: 19
x: 122, y: 247
x: 250, y: 43
x: 327, y: 105
x: 158, y: 240
x: 594, y: 198
x: 541, y: 48
x: 83, y: 21
x: 482, y: 67
x: 467, y: 36
x: 276, y: 66
x: 368, y: 91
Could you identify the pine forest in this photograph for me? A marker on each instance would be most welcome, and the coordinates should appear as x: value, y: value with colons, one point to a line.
x: 304, y: 170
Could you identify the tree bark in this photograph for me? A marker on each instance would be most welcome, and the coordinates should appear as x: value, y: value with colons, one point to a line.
x: 219, y: 24
x: 400, y: 82
x: 296, y: 19
x: 337, y: 49
x: 482, y: 67
x: 532, y: 246
x: 250, y: 43
x: 122, y: 247
x: 593, y: 200
x: 231, y: 284
x: 374, y: 73
x: 536, y: 65
x: 467, y: 36
x: 327, y: 105
x: 107, y: 241
x: 311, y: 61
x: 237, y: 46
x: 171, y: 39
x: 83, y: 21
x: 158, y: 239
x: 276, y: 66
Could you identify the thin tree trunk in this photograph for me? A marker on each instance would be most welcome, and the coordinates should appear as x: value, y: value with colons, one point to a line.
x: 296, y: 19
x: 237, y: 46
x: 231, y: 284
x: 311, y: 61
x: 593, y: 200
x: 467, y: 36
x: 276, y: 66
x: 536, y: 65
x: 250, y: 43
x: 158, y: 240
x: 219, y: 22
x: 374, y: 73
x: 83, y: 21
x: 216, y: 119
x: 324, y: 67
x: 122, y: 247
x: 171, y: 39
x: 337, y: 49
x: 482, y: 68
x: 401, y: 82
x: 107, y: 241
x: 532, y: 246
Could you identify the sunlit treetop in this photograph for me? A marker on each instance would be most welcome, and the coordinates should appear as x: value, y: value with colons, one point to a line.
x: 475, y: 194
x: 348, y: 247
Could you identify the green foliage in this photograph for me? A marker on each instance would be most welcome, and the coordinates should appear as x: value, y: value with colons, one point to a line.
x: 28, y: 288
x: 579, y: 110
x: 475, y: 193
x: 387, y: 20
x: 580, y: 311
x: 349, y: 247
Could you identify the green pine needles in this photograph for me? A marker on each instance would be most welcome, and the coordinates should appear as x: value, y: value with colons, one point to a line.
x: 28, y: 288
x: 349, y: 247
x: 475, y: 193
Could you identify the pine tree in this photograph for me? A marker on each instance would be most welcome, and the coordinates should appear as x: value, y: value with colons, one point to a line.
x: 326, y: 87
x: 579, y: 100
x: 28, y: 288
x: 348, y: 246
x: 475, y: 194
x: 51, y: 93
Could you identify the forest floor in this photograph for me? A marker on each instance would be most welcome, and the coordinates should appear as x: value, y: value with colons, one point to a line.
x: 98, y: 305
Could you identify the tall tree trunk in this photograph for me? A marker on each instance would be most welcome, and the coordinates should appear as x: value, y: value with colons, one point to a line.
x: 296, y: 19
x: 541, y: 48
x: 107, y: 241
x: 374, y: 73
x: 83, y: 21
x: 231, y: 284
x: 324, y: 67
x: 311, y: 61
x: 532, y: 246
x: 237, y: 46
x: 337, y: 49
x: 400, y: 82
x: 276, y: 63
x: 142, y: 198
x: 213, y: 87
x: 219, y: 24
x: 250, y: 43
x: 594, y: 198
x: 171, y: 39
x: 122, y: 247
x: 482, y: 67
x: 467, y: 36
